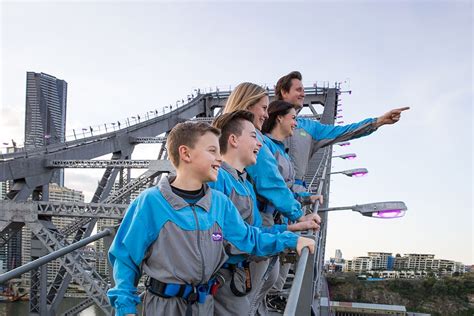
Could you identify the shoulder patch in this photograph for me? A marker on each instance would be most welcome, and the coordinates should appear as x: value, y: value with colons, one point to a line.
x: 303, y: 133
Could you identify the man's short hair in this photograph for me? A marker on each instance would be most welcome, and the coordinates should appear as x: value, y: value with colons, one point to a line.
x: 284, y: 83
x: 187, y: 134
x: 231, y: 123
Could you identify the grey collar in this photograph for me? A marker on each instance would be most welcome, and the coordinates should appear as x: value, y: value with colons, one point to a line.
x: 178, y: 202
x: 233, y: 172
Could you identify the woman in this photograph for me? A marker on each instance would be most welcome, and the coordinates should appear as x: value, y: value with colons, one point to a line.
x: 279, y: 126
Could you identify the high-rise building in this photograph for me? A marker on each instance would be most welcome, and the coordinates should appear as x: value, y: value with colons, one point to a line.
x: 380, y: 260
x: 358, y: 264
x: 45, y: 114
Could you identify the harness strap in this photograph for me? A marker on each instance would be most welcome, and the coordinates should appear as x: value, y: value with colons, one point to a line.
x: 190, y: 293
x: 248, y: 278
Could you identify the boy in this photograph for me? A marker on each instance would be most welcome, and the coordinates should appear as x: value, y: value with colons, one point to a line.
x: 239, y: 148
x: 175, y: 233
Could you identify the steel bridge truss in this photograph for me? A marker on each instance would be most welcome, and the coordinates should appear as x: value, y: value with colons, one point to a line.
x: 31, y: 171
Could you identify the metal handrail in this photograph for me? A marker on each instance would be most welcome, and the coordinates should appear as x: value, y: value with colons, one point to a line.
x: 297, y: 284
x: 51, y: 256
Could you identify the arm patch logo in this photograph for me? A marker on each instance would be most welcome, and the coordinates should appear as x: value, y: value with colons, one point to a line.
x: 217, y: 236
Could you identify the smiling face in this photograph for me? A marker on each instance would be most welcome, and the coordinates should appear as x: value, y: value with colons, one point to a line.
x: 248, y: 144
x: 287, y: 123
x: 205, y: 159
x: 295, y: 95
x: 260, y: 112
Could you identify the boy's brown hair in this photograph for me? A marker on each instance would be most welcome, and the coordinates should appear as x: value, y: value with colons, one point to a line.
x: 186, y: 134
x: 284, y: 83
x: 231, y: 123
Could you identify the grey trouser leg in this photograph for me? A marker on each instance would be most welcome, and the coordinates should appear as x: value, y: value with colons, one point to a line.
x: 157, y: 306
x: 226, y: 303
x: 278, y: 286
x: 257, y: 270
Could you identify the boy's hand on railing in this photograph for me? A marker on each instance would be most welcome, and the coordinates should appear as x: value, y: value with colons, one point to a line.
x: 302, y: 226
x: 305, y: 242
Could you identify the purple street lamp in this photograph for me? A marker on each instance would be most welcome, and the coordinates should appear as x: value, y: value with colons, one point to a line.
x: 340, y: 122
x: 339, y: 116
x: 387, y: 210
x: 344, y: 144
x: 350, y: 156
x: 359, y: 172
x: 339, y: 110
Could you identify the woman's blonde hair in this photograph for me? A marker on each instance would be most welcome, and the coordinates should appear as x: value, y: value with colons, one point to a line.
x: 243, y: 97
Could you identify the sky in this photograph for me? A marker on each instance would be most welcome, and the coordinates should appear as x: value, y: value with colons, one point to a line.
x: 124, y: 58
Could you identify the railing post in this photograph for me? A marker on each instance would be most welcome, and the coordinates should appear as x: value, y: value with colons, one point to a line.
x: 306, y: 297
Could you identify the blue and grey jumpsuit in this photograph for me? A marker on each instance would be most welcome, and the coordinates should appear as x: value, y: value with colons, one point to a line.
x: 176, y: 243
x: 236, y: 186
x: 271, y: 187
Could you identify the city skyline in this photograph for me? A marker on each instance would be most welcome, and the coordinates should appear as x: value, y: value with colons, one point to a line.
x: 394, y: 253
x: 130, y: 59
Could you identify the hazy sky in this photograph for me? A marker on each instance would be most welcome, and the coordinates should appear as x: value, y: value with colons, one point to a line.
x: 120, y: 59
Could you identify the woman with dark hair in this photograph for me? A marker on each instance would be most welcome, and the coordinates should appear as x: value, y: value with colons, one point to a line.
x: 279, y: 126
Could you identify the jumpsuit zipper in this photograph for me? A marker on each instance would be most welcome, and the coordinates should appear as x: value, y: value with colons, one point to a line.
x: 199, y: 243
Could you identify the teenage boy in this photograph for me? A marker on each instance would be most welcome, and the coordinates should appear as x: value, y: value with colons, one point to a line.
x: 177, y: 232
x: 239, y: 148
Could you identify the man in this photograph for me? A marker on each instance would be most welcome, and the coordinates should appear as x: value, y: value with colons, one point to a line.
x: 311, y: 135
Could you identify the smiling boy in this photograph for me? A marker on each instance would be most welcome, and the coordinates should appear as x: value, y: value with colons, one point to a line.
x: 177, y: 232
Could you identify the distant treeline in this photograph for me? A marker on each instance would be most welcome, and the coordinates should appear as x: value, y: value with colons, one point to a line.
x: 444, y: 296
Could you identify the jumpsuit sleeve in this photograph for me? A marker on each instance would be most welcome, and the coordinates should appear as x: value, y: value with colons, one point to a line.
x: 275, y: 229
x: 270, y: 185
x: 126, y: 253
x: 325, y: 135
x: 257, y: 219
x: 252, y: 240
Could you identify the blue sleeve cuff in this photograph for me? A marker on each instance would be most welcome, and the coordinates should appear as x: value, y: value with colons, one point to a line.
x: 124, y: 310
x: 293, y: 241
x: 281, y: 227
x: 296, y: 215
